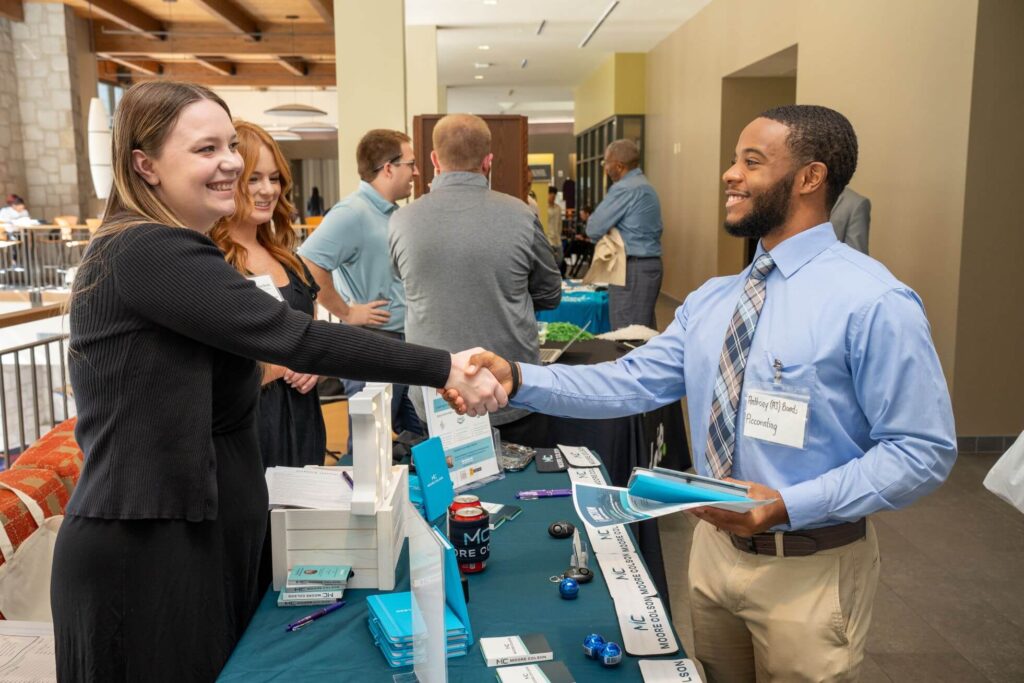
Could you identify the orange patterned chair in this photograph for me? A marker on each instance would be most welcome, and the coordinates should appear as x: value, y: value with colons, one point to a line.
x: 47, y: 471
x: 58, y: 451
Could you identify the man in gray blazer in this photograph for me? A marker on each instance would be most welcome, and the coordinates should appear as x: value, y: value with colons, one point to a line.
x: 475, y: 262
x: 851, y: 218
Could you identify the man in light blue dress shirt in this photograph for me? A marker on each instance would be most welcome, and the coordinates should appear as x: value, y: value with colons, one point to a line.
x: 785, y: 592
x: 632, y: 206
x: 349, y: 257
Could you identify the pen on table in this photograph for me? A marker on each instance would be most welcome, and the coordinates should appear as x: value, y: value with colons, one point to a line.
x: 310, y: 618
x: 544, y: 493
x: 348, y: 479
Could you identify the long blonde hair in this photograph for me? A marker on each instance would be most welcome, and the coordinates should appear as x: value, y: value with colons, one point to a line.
x: 276, y: 235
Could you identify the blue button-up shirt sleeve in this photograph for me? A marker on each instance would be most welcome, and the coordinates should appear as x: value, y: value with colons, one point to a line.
x: 644, y: 379
x: 609, y: 212
x: 900, y: 387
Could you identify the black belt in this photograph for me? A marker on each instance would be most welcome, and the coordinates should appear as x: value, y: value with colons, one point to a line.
x: 802, y: 543
x: 641, y: 258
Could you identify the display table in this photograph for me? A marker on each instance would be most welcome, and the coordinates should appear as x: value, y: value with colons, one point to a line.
x: 513, y: 596
x: 580, y: 308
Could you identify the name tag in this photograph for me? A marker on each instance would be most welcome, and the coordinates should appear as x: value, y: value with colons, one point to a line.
x: 775, y: 417
x: 266, y: 283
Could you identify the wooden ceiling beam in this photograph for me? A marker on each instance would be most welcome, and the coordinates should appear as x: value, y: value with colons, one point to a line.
x: 12, y: 9
x: 325, y: 8
x: 128, y: 17
x: 232, y: 16
x: 293, y: 65
x: 217, y: 65
x: 199, y: 39
x: 258, y: 74
x: 147, y: 67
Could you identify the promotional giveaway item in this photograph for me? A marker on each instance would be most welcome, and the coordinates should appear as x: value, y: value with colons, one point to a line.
x: 569, y: 589
x: 532, y: 647
x: 561, y: 529
x: 467, y: 441
x: 550, y: 460
x: 436, y: 490
x: 545, y: 672
x: 310, y: 618
x: 654, y: 493
x: 470, y: 534
x: 515, y: 458
x: 534, y: 494
x: 580, y: 456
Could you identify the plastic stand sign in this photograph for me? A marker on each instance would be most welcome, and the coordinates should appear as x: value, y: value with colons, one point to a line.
x: 370, y: 410
x: 426, y: 576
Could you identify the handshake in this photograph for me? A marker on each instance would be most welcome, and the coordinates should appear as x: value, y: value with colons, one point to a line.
x: 479, y: 382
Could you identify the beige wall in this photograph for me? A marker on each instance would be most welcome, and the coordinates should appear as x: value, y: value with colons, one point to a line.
x: 371, y: 80
x: 422, y: 92
x: 617, y: 86
x: 990, y: 318
x: 901, y: 71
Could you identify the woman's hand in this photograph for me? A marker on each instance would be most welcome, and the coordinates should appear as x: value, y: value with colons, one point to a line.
x: 299, y: 381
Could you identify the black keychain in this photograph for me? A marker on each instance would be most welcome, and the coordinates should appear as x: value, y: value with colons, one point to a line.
x: 550, y: 460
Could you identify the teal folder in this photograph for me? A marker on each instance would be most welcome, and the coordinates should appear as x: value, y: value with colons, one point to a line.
x: 435, y: 480
x: 666, y: 488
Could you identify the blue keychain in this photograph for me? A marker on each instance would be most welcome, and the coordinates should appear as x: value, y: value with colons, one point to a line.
x: 568, y: 589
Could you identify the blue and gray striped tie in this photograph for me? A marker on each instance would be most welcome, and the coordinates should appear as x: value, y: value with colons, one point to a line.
x: 721, y: 445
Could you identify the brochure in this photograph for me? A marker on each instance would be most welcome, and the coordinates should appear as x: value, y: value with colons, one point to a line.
x: 664, y: 492
x: 467, y: 441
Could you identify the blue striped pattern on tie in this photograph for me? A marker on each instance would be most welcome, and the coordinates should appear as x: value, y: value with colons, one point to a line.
x: 721, y: 444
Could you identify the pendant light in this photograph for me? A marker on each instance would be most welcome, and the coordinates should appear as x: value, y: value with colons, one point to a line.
x: 295, y: 108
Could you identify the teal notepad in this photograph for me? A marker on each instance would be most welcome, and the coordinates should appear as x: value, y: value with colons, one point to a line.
x: 393, y: 612
x: 680, y: 489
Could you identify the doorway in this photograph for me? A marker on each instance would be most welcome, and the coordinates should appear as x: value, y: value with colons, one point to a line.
x: 767, y: 83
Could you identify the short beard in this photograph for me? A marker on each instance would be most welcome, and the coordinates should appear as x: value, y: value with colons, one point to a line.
x: 769, y: 212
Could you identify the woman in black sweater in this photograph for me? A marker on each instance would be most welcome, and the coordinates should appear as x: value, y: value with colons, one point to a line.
x: 154, y: 571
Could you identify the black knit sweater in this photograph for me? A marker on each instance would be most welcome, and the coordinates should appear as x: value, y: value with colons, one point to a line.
x: 157, y: 311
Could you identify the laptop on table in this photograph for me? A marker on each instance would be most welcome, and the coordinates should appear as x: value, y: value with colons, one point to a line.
x: 549, y: 356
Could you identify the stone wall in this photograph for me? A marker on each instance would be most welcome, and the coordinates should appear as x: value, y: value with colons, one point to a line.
x: 52, y: 122
x: 12, y: 166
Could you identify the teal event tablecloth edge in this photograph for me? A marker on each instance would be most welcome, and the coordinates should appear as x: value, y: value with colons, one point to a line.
x: 513, y: 596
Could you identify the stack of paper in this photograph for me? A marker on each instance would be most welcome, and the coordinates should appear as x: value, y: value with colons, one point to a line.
x: 309, y: 487
x: 392, y: 629
x: 314, y: 584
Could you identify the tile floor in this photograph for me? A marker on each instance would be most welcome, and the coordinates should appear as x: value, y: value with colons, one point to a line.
x: 950, y: 600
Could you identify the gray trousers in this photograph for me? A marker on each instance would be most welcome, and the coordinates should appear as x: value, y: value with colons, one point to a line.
x: 634, y: 303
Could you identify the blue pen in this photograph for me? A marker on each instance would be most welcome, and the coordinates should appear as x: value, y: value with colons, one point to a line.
x: 544, y: 493
x: 348, y: 478
x: 310, y: 618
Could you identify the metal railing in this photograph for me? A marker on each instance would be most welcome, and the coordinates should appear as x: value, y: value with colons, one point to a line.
x: 34, y: 388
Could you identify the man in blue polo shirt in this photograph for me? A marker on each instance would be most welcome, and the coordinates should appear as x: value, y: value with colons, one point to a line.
x: 812, y: 378
x: 632, y: 206
x: 349, y: 257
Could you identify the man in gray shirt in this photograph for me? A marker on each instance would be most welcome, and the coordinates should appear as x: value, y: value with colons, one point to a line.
x: 475, y: 262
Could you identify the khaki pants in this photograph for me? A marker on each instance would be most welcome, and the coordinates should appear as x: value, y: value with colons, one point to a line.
x: 765, y: 618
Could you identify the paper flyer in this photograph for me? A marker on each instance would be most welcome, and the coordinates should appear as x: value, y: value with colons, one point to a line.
x: 600, y: 506
x: 466, y: 440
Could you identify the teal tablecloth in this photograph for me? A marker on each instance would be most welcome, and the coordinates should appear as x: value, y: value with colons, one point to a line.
x: 513, y: 596
x: 579, y: 308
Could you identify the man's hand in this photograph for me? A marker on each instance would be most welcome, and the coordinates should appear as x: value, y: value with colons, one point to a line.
x: 474, y: 392
x: 499, y: 367
x: 299, y: 381
x: 755, y: 521
x: 370, y: 315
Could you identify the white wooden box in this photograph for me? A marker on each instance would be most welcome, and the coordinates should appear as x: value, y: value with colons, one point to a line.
x: 371, y: 544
